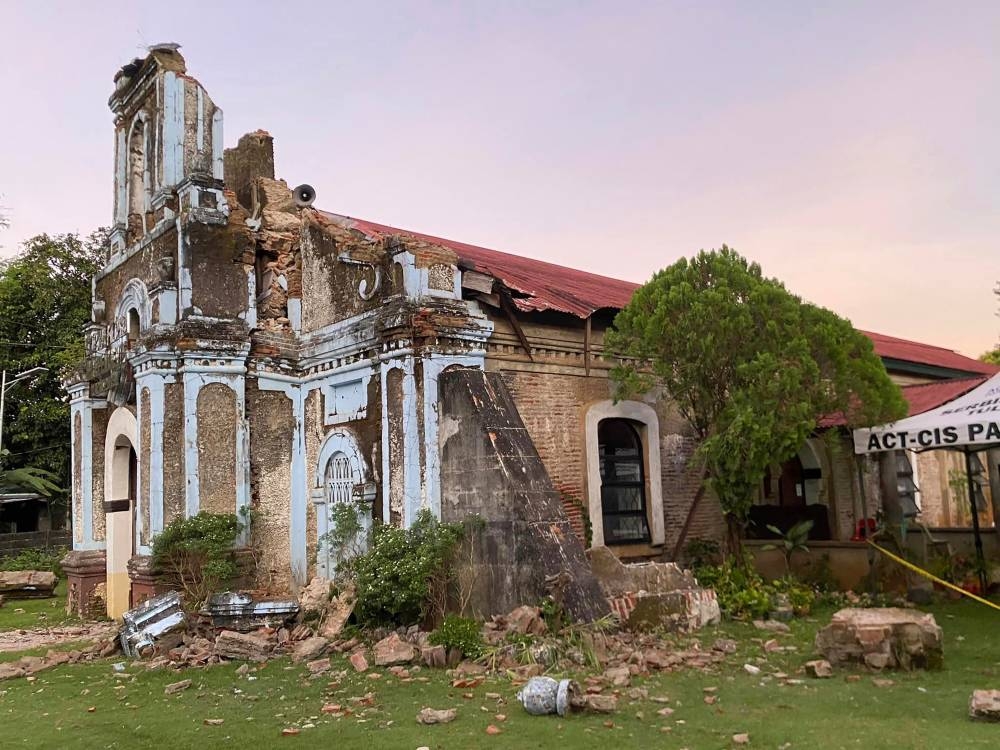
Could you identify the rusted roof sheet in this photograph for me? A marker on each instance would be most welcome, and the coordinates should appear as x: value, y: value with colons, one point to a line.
x: 922, y: 397
x: 889, y: 347
x: 536, y: 285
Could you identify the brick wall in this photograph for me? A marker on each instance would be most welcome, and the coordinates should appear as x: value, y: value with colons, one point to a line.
x: 553, y: 407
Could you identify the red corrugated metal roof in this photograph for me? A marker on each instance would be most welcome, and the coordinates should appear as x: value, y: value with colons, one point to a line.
x: 922, y: 397
x: 546, y: 286
x: 927, y: 354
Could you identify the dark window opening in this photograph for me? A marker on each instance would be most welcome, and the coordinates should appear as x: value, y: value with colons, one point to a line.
x: 133, y: 328
x: 623, y: 483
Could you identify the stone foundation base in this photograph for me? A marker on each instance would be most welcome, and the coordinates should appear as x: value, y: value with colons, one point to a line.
x: 86, y: 575
x: 144, y: 583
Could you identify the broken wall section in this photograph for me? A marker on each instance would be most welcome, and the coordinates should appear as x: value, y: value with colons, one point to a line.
x: 490, y: 468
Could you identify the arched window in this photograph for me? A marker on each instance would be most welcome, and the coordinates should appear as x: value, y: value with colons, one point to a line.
x: 341, y: 496
x: 133, y: 327
x: 623, y: 483
x: 338, y: 479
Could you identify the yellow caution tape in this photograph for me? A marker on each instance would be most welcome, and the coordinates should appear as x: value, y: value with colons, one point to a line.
x: 925, y: 574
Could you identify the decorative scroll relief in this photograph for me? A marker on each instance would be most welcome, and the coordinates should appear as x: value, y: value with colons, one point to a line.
x: 366, y: 291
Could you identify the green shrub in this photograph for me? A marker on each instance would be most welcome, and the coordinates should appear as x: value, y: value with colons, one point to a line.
x: 742, y: 593
x: 196, y: 554
x: 461, y: 633
x: 36, y: 559
x: 800, y: 596
x: 405, y: 574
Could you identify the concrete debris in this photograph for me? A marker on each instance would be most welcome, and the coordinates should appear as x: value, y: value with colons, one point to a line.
x: 176, y: 687
x: 338, y: 611
x: 435, y: 716
x: 310, y: 649
x: 231, y: 644
x: 984, y: 705
x: 650, y: 595
x: 27, y: 584
x: 358, y: 661
x: 148, y: 622
x: 393, y: 650
x: 819, y: 668
x: 598, y: 703
x: 314, y: 598
x: 881, y: 638
x: 28, y: 666
x: 239, y: 611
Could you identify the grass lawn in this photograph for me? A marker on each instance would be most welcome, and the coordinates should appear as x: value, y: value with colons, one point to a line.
x: 16, y: 614
x: 921, y: 710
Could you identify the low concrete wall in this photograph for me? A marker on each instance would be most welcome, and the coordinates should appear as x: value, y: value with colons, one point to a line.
x: 11, y: 544
x: 848, y: 561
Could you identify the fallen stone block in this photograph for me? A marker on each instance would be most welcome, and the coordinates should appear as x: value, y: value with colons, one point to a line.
x: 338, y: 611
x: 358, y: 661
x: 27, y: 584
x: 393, y: 650
x: 436, y: 716
x: 176, y: 687
x: 984, y: 705
x: 819, y: 668
x: 881, y: 638
x: 243, y: 646
x: 526, y: 620
x: 310, y: 649
x: 598, y: 703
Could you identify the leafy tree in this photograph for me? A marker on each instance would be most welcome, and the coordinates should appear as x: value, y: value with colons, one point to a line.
x: 749, y: 365
x: 44, y: 304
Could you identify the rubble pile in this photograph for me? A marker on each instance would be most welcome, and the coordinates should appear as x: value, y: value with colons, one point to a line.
x: 29, y: 666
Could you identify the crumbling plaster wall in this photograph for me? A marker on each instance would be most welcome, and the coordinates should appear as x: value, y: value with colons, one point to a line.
x: 218, y: 415
x: 99, y: 431
x: 272, y: 423
x: 173, y: 452
x: 145, y: 435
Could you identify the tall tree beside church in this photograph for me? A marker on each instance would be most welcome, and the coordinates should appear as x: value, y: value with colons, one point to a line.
x: 750, y: 366
x: 44, y: 305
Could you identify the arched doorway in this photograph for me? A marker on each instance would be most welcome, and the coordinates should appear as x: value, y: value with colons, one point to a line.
x: 343, y: 498
x: 121, y: 481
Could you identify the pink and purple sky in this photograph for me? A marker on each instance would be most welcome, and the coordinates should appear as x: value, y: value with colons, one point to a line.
x: 850, y: 148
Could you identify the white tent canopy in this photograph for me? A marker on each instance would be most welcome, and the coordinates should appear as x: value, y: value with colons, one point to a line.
x: 969, y: 422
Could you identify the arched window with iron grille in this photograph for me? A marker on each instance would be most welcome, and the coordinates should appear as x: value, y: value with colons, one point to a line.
x: 623, y: 483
